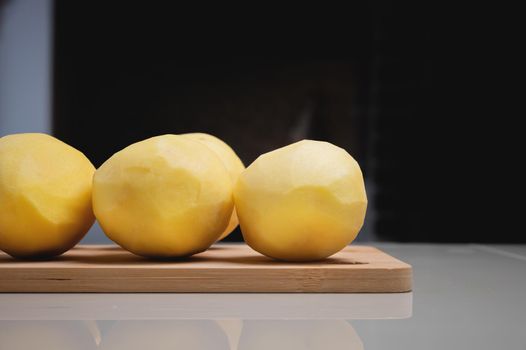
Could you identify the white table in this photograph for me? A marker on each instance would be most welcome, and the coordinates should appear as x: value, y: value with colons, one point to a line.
x: 464, y: 297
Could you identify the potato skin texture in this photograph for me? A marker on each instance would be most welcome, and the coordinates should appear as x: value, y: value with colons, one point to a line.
x: 233, y: 165
x: 303, y: 202
x: 163, y: 197
x: 45, y: 196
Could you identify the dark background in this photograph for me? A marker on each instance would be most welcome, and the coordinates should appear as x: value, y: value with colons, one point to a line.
x: 388, y: 82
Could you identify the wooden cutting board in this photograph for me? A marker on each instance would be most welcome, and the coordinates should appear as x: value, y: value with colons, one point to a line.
x: 223, y: 268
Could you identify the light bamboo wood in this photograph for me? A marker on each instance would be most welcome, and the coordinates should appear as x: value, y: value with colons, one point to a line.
x: 222, y: 268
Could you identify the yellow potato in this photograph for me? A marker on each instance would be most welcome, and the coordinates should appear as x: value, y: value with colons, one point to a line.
x: 45, y: 195
x: 233, y: 164
x: 302, y: 202
x: 167, y: 196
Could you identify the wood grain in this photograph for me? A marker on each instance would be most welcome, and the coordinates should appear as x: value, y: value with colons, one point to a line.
x: 222, y: 268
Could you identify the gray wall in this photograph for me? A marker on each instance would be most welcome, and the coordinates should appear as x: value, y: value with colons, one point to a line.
x: 25, y: 66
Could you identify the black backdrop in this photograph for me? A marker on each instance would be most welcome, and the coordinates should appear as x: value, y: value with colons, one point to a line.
x: 381, y: 79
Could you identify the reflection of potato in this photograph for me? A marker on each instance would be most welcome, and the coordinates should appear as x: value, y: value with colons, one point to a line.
x: 302, y: 202
x: 166, y: 196
x: 232, y: 329
x: 32, y: 335
x: 45, y: 195
x: 159, y: 335
x: 291, y: 335
x: 233, y: 164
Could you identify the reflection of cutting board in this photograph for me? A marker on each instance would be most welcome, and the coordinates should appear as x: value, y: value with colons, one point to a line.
x: 222, y: 268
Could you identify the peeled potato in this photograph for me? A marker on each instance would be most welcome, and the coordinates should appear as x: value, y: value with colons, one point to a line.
x: 302, y: 202
x: 45, y: 195
x: 233, y: 165
x: 167, y: 196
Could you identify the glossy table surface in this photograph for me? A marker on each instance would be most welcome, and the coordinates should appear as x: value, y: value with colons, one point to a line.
x: 464, y: 297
